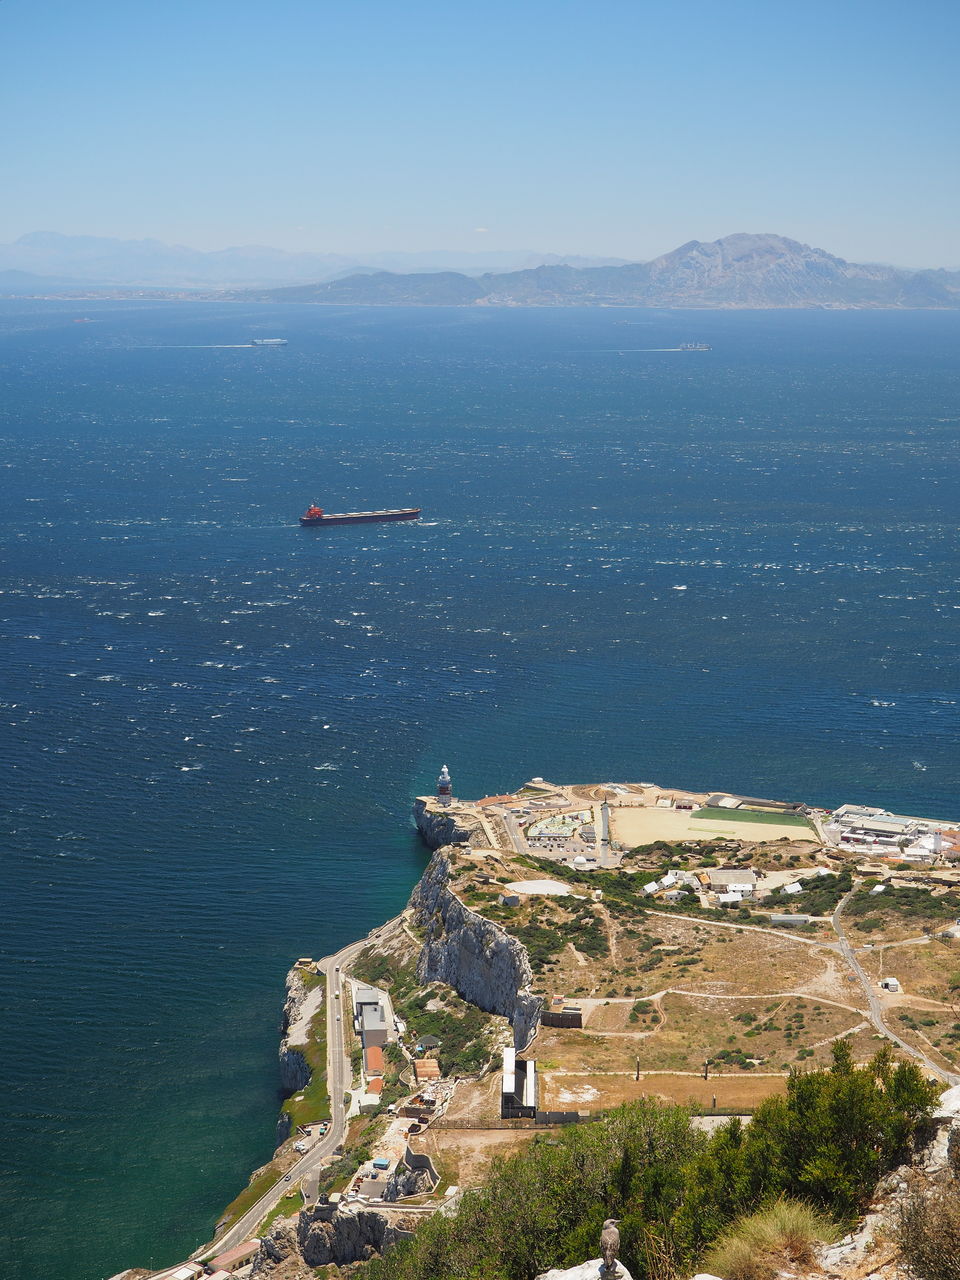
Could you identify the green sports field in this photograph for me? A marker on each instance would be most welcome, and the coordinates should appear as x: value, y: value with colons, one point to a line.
x: 716, y: 814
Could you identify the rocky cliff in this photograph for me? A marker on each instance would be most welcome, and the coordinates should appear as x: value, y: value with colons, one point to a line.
x: 295, y: 1071
x: 476, y: 957
x: 439, y: 829
x: 318, y: 1237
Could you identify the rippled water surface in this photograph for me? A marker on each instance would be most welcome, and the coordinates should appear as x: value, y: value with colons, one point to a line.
x: 735, y: 568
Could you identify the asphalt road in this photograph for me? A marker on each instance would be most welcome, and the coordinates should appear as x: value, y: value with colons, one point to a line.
x: 875, y: 1009
x: 339, y: 1080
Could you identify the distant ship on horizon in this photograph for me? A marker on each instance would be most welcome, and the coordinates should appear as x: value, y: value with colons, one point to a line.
x: 268, y: 342
x: 314, y: 516
x: 694, y: 346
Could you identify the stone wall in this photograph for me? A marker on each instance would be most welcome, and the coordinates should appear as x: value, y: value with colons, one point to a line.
x: 415, y: 1176
x: 473, y: 955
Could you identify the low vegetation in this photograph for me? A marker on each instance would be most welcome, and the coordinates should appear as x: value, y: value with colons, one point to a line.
x: 258, y: 1186
x: 929, y: 1232
x: 904, y: 902
x: 675, y: 1190
x: 763, y: 1244
x: 820, y: 899
x: 311, y: 1104
x: 437, y: 1011
x: 285, y: 1207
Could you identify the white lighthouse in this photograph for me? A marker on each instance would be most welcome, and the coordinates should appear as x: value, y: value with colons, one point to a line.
x: 444, y: 787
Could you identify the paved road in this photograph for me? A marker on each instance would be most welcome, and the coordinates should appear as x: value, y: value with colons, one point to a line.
x: 875, y: 1010
x: 339, y: 1080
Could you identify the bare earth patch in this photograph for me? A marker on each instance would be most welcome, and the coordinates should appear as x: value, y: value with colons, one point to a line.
x: 463, y: 1156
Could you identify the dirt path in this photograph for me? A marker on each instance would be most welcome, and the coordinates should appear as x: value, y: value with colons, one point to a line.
x: 781, y: 933
x: 611, y: 929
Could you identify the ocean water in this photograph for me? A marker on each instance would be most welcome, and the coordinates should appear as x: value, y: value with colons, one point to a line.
x: 735, y: 568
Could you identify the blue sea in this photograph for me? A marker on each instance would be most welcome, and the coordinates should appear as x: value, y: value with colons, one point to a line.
x: 735, y: 568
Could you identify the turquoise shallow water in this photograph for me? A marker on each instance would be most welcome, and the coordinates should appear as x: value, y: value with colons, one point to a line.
x: 735, y: 568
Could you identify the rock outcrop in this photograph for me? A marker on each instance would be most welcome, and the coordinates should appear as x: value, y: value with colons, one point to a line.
x: 586, y: 1271
x: 346, y: 1237
x: 479, y: 959
x: 280, y: 1257
x: 295, y: 1071
x: 447, y: 827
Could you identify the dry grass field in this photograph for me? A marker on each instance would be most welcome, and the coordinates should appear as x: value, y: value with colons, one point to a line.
x: 923, y: 969
x: 462, y: 1156
x: 678, y: 1032
x: 596, y: 1092
x: 476, y: 1102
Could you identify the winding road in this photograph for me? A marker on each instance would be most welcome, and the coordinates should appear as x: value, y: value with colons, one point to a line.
x: 339, y: 1080
x: 874, y: 1008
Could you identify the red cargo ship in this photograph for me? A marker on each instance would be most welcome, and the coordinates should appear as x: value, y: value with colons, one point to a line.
x: 314, y: 516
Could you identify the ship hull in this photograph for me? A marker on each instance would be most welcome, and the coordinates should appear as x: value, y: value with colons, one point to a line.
x: 359, y: 517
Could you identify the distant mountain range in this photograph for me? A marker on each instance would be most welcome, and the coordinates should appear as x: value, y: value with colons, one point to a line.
x: 738, y: 271
x: 745, y: 271
x: 46, y: 258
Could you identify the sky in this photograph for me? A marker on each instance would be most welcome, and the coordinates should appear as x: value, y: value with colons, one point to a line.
x: 604, y: 127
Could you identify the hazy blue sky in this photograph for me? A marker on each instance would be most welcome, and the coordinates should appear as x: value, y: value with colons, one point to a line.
x: 615, y: 127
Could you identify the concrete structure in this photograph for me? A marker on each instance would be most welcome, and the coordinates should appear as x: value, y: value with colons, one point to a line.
x: 561, y: 1014
x: 189, y: 1271
x: 721, y: 801
x: 732, y: 880
x: 426, y: 1069
x: 889, y: 984
x: 788, y: 921
x: 373, y: 1025
x: 364, y: 995
x: 518, y: 1093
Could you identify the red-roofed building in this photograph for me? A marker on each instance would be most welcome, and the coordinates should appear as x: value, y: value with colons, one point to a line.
x: 373, y: 1060
x: 375, y: 1085
x: 236, y: 1257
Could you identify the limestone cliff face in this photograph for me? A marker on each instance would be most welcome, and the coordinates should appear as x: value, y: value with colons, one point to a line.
x: 294, y: 1069
x: 439, y: 829
x: 476, y: 957
x: 280, y: 1257
x: 319, y: 1237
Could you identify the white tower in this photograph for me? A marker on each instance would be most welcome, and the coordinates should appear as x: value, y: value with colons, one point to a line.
x: 444, y: 787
